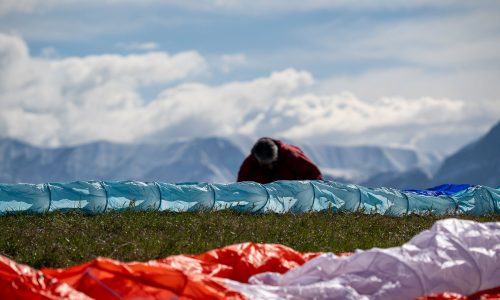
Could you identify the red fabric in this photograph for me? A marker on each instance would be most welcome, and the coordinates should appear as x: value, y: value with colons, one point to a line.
x: 19, y: 281
x: 293, y: 164
x: 180, y: 277
x: 107, y: 279
x: 241, y: 261
x: 490, y: 294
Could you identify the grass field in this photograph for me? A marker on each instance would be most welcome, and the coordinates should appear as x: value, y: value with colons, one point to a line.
x: 61, y: 240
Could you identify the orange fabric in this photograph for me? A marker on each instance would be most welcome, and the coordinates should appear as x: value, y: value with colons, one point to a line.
x: 182, y: 276
x: 105, y: 278
x: 19, y: 281
x: 239, y: 262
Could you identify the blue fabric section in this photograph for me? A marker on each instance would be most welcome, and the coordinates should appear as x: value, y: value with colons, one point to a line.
x: 250, y: 197
x: 444, y: 189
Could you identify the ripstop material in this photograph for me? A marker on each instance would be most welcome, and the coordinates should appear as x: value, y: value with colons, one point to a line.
x: 453, y: 259
x: 443, y: 189
x: 455, y: 256
x: 175, y: 277
x: 277, y: 197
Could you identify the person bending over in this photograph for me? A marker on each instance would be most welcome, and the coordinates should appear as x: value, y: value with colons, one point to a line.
x: 272, y: 160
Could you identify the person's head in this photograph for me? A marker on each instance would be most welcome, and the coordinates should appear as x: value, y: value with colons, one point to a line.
x: 265, y: 151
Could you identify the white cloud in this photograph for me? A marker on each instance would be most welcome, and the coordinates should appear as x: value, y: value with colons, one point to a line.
x: 49, y: 52
x: 226, y: 63
x: 80, y: 99
x: 458, y: 40
x: 138, y: 46
x: 222, y: 110
x: 472, y: 86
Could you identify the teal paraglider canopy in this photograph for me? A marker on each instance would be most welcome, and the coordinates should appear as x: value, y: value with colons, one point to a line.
x: 251, y: 197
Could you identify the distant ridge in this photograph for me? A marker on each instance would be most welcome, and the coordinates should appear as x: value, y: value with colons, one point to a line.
x: 207, y: 159
x: 476, y: 163
x: 211, y: 159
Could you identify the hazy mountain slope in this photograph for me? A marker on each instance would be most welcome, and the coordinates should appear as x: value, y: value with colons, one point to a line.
x: 195, y: 160
x: 476, y: 163
x: 412, y: 179
x: 203, y: 159
x: 358, y: 163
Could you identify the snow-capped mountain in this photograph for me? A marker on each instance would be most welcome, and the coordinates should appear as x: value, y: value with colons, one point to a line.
x: 203, y: 159
x: 476, y: 163
x: 209, y: 159
x: 357, y: 163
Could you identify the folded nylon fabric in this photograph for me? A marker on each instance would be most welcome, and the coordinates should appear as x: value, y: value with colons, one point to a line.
x: 443, y: 189
x: 453, y: 256
x: 175, y: 277
x: 452, y: 259
x: 249, y: 197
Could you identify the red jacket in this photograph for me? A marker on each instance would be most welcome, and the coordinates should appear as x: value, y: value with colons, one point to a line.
x: 292, y: 164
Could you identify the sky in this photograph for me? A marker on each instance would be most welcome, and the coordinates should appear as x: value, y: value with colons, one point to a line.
x: 416, y: 74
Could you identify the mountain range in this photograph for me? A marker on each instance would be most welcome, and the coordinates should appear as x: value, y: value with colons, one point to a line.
x: 210, y: 159
x: 476, y: 163
x: 216, y: 159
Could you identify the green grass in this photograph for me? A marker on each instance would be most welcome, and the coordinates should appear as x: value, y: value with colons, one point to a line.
x: 61, y: 240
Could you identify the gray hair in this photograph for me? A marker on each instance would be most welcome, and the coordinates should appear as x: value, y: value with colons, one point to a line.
x: 265, y: 150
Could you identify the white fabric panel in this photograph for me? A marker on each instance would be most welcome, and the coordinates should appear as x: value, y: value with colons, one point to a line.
x: 454, y: 255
